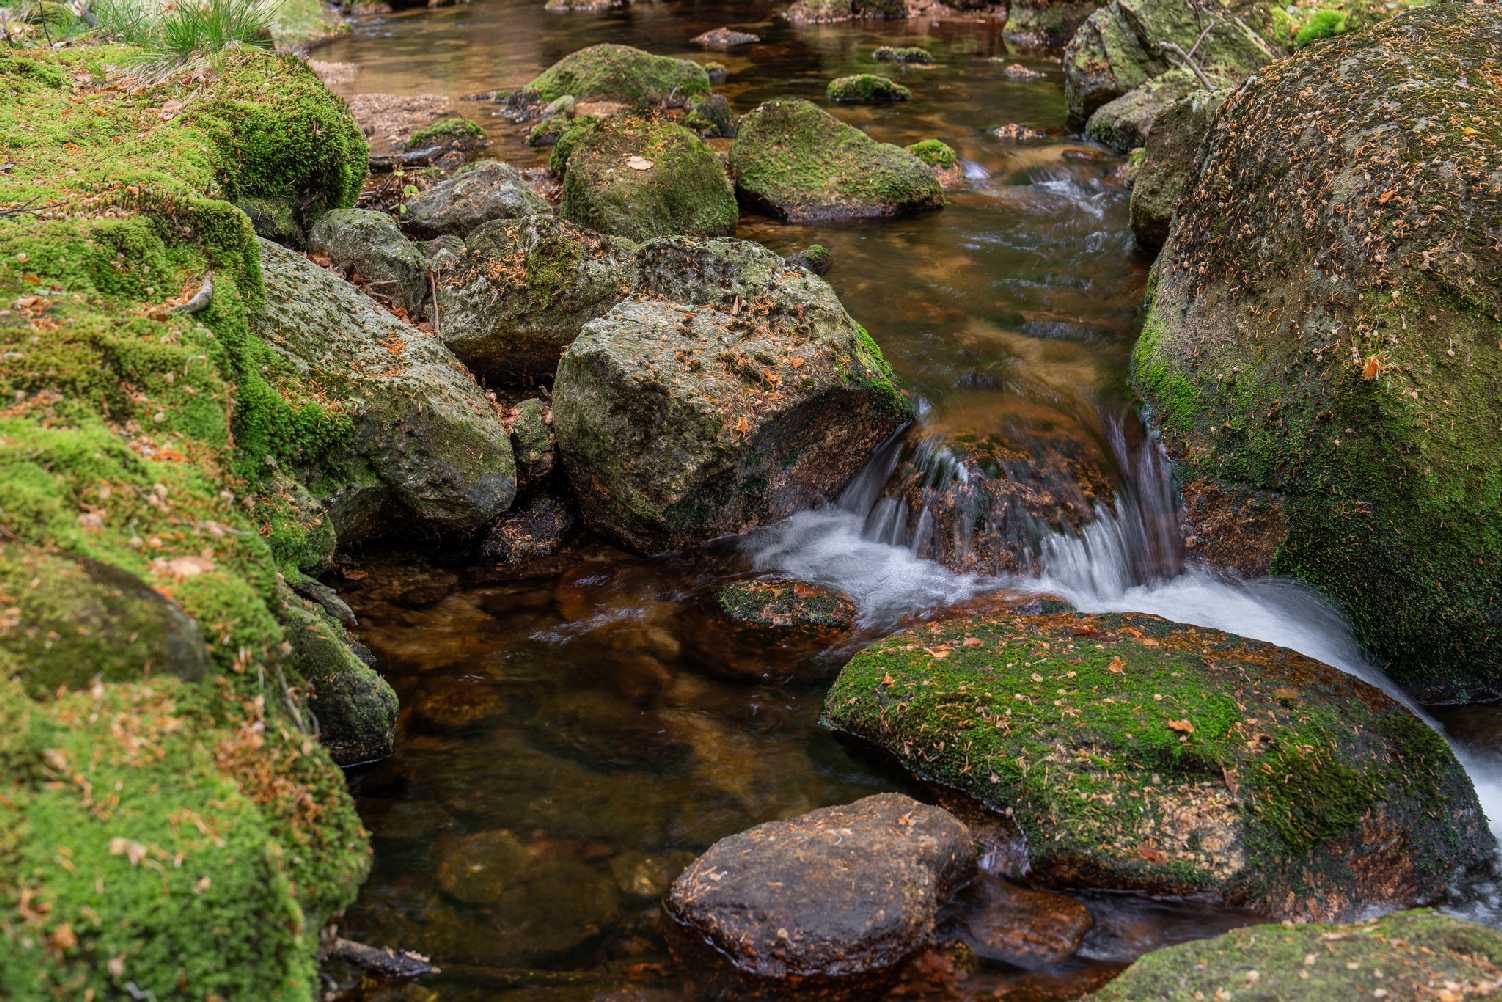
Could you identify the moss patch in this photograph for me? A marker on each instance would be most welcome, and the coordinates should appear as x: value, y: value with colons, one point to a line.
x: 934, y: 152
x: 620, y: 73
x: 866, y: 88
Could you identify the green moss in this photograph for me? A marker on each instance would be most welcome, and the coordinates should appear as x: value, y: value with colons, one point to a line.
x: 866, y: 88
x: 563, y: 147
x: 902, y: 54
x: 934, y: 152
x: 620, y: 73
x: 447, y: 132
x: 1110, y: 740
x: 1321, y: 24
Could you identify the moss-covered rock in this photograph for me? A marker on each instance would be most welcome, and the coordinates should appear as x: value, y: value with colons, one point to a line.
x: 369, y: 247
x: 730, y: 392
x: 567, y: 139
x: 1050, y: 22
x: 776, y: 608
x: 1409, y: 955
x: 866, y: 88
x: 711, y: 117
x: 800, y: 163
x: 1343, y: 363
x: 641, y: 178
x: 903, y: 54
x: 833, y: 11
x: 533, y: 439
x: 450, y: 134
x: 484, y: 191
x: 620, y: 73
x: 1169, y: 165
x: 523, y: 290
x: 1126, y: 122
x: 1134, y: 753
x: 934, y: 152
x: 418, y: 420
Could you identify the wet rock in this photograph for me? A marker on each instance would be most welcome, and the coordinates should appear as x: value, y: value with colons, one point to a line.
x: 724, y: 38
x: 903, y: 54
x: 604, y: 731
x: 533, y: 440
x: 1047, y: 22
x: 640, y: 178
x: 718, y: 72
x: 1169, y: 166
x: 814, y: 257
x: 1378, y: 448
x: 866, y: 88
x: 1125, y: 123
x: 67, y: 620
x: 1022, y: 927
x: 620, y: 73
x: 369, y: 248
x: 584, y: 6
x: 749, y: 396
x: 422, y: 429
x: 646, y: 877
x: 355, y: 707
x: 1137, y: 754
x: 802, y: 164
x: 773, y: 629
x: 778, y: 606
x: 531, y: 532
x: 1124, y: 45
x: 1014, y: 132
x: 1016, y: 71
x: 832, y: 11
x: 1410, y: 955
x: 524, y: 290
x: 457, y: 702
x: 839, y: 892
x: 486, y: 190
x: 710, y: 116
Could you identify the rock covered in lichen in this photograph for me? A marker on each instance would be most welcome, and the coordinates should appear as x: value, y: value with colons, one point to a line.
x: 1169, y: 165
x: 1409, y: 955
x: 779, y: 606
x: 729, y: 392
x: 837, y: 894
x: 1323, y: 335
x: 1126, y: 122
x: 866, y: 88
x: 369, y: 246
x: 1137, y: 754
x: 533, y: 441
x: 620, y: 73
x: 480, y: 193
x: 523, y: 290
x: 419, y: 422
x: 802, y: 164
x: 640, y: 178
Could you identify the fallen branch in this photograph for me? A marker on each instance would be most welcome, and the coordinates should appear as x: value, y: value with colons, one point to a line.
x: 415, y: 158
x: 384, y: 961
x: 1173, y: 48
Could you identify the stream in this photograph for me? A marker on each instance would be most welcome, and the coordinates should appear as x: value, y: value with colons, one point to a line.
x: 583, y: 718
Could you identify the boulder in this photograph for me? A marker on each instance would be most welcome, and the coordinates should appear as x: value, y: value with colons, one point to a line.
x: 486, y: 190
x: 1047, y: 22
x: 802, y: 164
x: 866, y: 88
x: 1409, y: 955
x: 1137, y: 754
x: 68, y: 620
x: 1169, y: 165
x: 838, y: 893
x: 423, y: 436
x: 369, y: 247
x: 730, y: 392
x: 620, y: 73
x: 814, y: 257
x: 523, y: 290
x: 274, y: 219
x: 1126, y: 44
x: 711, y: 117
x: 725, y: 38
x: 1125, y: 123
x: 1323, y: 340
x: 639, y: 178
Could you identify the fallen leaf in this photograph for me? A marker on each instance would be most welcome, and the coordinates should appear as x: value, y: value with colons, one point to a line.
x: 1182, y: 726
x: 1372, y: 369
x: 1117, y: 666
x: 638, y: 163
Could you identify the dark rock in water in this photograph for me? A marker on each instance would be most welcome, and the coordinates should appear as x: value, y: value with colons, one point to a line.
x: 1125, y: 123
x: 67, y: 620
x: 369, y: 247
x: 523, y: 291
x: 1169, y: 166
x: 534, y: 442
x: 718, y: 72
x: 724, y: 38
x: 1016, y: 71
x: 1046, y: 22
x: 646, y: 877
x: 1138, y: 754
x: 535, y: 530
x: 619, y: 73
x: 711, y: 117
x: 1020, y: 926
x: 903, y: 54
x: 774, y: 629
x: 802, y: 164
x: 1383, y: 446
x: 749, y: 396
x: 424, y: 437
x: 866, y: 88
x: 484, y: 191
x: 837, y: 893
x: 1410, y: 955
x: 448, y: 702
x: 1014, y: 132
x: 640, y: 178
x: 604, y: 731
x: 778, y: 606
x: 814, y: 257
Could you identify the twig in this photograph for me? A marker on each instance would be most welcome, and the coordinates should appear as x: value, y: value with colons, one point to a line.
x: 1175, y: 49
x: 201, y: 299
x: 382, y: 960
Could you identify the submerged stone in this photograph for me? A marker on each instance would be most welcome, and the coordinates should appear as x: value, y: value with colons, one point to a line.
x: 724, y: 38
x: 1137, y: 754
x: 838, y: 893
x: 1022, y: 926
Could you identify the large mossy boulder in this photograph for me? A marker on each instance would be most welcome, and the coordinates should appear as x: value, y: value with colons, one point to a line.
x: 802, y: 164
x: 1124, y: 45
x: 642, y: 178
x: 1170, y: 163
x: 731, y: 391
x: 1137, y: 754
x: 1323, y: 337
x: 609, y: 72
x: 418, y: 422
x: 480, y: 193
x: 523, y: 290
x: 1409, y: 955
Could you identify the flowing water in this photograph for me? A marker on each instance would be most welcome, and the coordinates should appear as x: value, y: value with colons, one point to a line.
x: 569, y: 740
